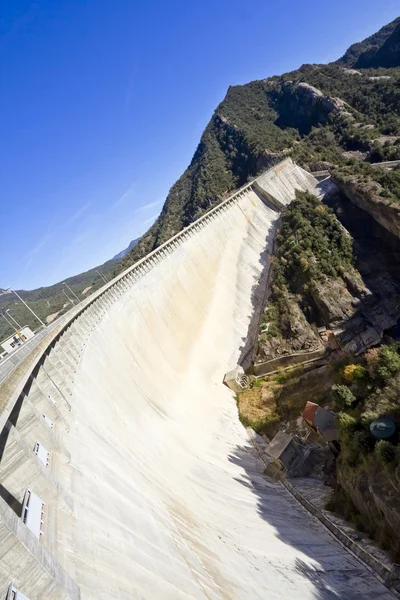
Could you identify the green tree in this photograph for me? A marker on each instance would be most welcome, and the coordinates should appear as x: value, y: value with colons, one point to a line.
x: 342, y: 397
x: 387, y: 364
x: 346, y: 423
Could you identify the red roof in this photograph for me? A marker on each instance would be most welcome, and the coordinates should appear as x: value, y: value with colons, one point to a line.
x: 309, y: 412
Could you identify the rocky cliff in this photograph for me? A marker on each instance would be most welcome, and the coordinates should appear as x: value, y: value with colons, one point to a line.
x: 318, y: 296
x: 368, y: 195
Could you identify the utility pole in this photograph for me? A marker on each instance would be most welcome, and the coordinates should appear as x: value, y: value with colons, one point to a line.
x: 68, y: 298
x: 12, y: 318
x: 102, y: 276
x: 19, y: 334
x: 73, y: 293
x: 23, y: 302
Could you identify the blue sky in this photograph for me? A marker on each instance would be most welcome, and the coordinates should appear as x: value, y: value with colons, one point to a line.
x: 102, y: 105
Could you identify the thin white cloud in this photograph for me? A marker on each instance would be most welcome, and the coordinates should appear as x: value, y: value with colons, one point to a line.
x: 125, y: 195
x: 147, y: 206
x: 77, y: 214
x: 33, y: 252
x: 150, y: 220
x: 49, y: 235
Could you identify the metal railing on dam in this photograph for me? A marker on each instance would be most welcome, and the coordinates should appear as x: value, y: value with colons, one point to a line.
x: 122, y: 451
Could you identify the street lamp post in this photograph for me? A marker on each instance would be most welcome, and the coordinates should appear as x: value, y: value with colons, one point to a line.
x: 73, y: 293
x: 102, y: 276
x: 19, y: 334
x: 68, y: 298
x: 12, y: 318
x: 23, y: 302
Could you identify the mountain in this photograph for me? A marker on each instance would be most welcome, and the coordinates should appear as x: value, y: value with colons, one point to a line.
x: 54, y: 300
x: 361, y: 54
x: 388, y: 55
x: 126, y: 250
x: 319, y: 113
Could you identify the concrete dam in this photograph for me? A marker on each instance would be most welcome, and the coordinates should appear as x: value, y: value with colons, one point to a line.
x: 125, y: 472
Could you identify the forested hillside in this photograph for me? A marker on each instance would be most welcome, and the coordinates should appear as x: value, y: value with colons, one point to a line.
x: 317, y: 114
x: 52, y: 301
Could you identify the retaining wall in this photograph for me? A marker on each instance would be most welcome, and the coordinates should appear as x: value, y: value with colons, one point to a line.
x: 289, y: 360
x: 390, y: 577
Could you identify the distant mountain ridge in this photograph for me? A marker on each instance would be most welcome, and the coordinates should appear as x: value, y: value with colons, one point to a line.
x: 55, y: 299
x: 126, y: 250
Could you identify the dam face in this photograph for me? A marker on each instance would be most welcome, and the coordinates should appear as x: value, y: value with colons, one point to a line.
x: 151, y: 488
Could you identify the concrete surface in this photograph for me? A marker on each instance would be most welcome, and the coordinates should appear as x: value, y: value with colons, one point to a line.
x: 153, y: 490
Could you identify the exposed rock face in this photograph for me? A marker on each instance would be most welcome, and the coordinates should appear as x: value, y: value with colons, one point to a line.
x: 352, y: 312
x: 368, y: 198
x: 268, y: 159
x: 354, y: 317
x: 297, y: 335
x: 321, y: 165
x: 307, y: 100
x: 334, y: 301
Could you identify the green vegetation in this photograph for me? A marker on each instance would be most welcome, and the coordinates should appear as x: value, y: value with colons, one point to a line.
x: 346, y: 424
x: 372, y: 182
x: 342, y: 397
x: 354, y: 372
x: 366, y: 463
x: 310, y: 246
x: 50, y: 300
x: 373, y: 394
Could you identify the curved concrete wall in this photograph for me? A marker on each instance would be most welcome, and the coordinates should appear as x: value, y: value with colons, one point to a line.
x: 152, y: 489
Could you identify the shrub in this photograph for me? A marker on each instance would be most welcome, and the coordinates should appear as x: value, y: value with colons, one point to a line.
x: 368, y: 416
x: 346, y: 423
x: 387, y: 364
x: 385, y: 451
x: 283, y: 375
x: 342, y: 396
x: 256, y: 383
x: 353, y: 373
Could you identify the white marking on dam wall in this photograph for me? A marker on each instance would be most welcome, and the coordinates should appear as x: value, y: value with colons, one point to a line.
x: 153, y: 490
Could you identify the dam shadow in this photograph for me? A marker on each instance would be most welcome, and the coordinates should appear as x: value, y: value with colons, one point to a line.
x: 333, y: 572
x: 258, y: 295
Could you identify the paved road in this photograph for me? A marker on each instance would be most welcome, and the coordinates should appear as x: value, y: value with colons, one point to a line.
x: 14, y: 359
